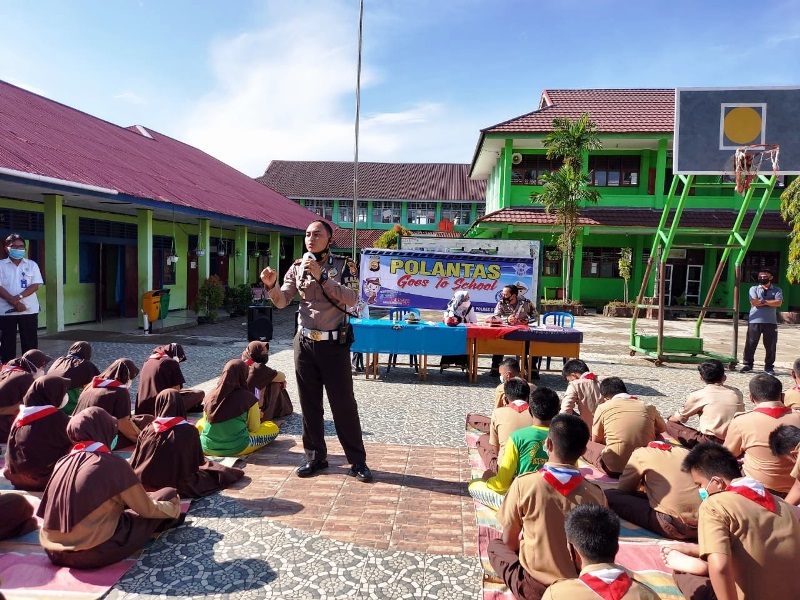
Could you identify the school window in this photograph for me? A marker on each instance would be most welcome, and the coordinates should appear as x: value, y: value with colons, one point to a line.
x: 421, y: 213
x: 324, y: 208
x: 456, y: 212
x: 614, y: 171
x: 88, y: 262
x: 551, y: 265
x: 386, y: 212
x: 164, y: 272
x: 480, y: 209
x: 756, y: 261
x: 346, y: 211
x: 530, y: 170
x: 600, y: 262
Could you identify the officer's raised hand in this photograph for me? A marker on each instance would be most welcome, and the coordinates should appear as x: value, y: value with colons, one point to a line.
x: 269, y: 276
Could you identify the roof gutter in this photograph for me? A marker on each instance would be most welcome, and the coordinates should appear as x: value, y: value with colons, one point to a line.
x: 55, y: 181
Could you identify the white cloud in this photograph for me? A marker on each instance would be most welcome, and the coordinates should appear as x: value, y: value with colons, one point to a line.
x: 131, y: 98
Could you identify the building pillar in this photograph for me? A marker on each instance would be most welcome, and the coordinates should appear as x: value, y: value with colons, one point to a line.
x: 661, y: 172
x: 275, y: 252
x: 299, y: 248
x: 240, y: 256
x: 204, y: 242
x: 54, y: 262
x: 505, y: 157
x: 637, y: 268
x: 144, y: 239
x: 577, y: 263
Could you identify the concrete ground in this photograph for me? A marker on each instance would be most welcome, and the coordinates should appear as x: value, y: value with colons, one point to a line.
x: 411, y: 533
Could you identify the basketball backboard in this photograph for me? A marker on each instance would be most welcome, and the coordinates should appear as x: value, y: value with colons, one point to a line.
x: 711, y: 123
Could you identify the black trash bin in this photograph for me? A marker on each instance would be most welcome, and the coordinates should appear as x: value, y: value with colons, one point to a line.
x: 259, y: 323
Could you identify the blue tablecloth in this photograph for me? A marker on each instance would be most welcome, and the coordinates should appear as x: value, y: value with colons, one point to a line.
x: 382, y: 336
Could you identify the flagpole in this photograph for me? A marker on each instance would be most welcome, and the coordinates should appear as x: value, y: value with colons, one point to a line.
x: 358, y: 116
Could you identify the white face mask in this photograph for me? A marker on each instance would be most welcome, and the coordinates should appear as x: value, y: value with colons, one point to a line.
x: 64, y: 401
x: 38, y: 373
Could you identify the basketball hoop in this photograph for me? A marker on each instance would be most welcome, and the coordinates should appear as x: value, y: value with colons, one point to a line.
x: 747, y: 162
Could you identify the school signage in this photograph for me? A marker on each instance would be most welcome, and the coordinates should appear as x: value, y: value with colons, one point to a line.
x: 428, y: 280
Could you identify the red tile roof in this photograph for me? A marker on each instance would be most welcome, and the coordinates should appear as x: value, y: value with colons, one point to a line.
x: 634, y: 217
x: 42, y: 137
x: 377, y: 181
x: 366, y: 238
x: 613, y: 111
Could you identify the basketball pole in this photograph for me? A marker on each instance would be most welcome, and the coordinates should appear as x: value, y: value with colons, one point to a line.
x: 358, y: 118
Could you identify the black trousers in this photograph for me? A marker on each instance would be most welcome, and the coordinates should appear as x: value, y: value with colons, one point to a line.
x: 754, y: 332
x: 327, y: 364
x: 28, y: 338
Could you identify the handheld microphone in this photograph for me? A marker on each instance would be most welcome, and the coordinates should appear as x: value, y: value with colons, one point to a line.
x: 308, y: 256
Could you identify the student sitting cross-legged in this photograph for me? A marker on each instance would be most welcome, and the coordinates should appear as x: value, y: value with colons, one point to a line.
x: 583, y: 391
x: 524, y: 451
x: 535, y: 506
x: 593, y: 540
x: 749, y: 539
x: 785, y: 442
x: 669, y: 504
x: 511, y: 416
x: 621, y: 424
x: 509, y: 369
x: 715, y: 405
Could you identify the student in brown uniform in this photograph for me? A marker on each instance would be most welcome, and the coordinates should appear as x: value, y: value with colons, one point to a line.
x: 791, y: 398
x: 748, y: 434
x: 715, y: 405
x: 670, y: 500
x: 162, y: 370
x: 15, y: 379
x: 77, y: 366
x: 749, y: 539
x: 785, y: 441
x: 583, y: 391
x: 38, y: 435
x: 509, y: 369
x: 111, y: 391
x: 327, y: 285
x: 17, y: 518
x: 268, y: 385
x: 535, y: 506
x: 622, y: 423
x: 168, y: 454
x: 505, y: 420
x: 593, y: 538
x: 94, y: 508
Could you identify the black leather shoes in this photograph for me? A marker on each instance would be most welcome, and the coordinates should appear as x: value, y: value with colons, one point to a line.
x: 311, y: 467
x: 361, y: 472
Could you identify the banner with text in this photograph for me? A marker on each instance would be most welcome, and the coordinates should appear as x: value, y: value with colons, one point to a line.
x: 428, y: 280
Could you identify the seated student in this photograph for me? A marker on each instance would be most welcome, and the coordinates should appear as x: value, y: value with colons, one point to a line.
x: 15, y: 379
x: 583, y: 391
x: 162, y: 371
x: 749, y: 538
x: 792, y: 397
x: 509, y: 369
x: 714, y: 405
x: 77, y: 366
x: 38, y: 436
x: 267, y: 384
x: 17, y: 518
x: 86, y: 524
x: 622, y: 423
x: 785, y: 441
x: 748, y: 434
x: 168, y: 453
x: 535, y: 506
x: 593, y: 535
x: 670, y: 500
x: 110, y: 391
x: 459, y: 310
x: 524, y: 451
x: 231, y: 423
x: 505, y: 419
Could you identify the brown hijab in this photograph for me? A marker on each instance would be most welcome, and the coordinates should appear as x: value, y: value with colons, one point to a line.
x: 123, y: 370
x: 105, y: 391
x: 15, y: 379
x: 83, y: 480
x: 76, y: 366
x: 230, y: 398
x: 159, y: 372
x: 256, y: 356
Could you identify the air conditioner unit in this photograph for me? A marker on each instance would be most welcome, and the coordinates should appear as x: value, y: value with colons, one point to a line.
x: 516, y: 158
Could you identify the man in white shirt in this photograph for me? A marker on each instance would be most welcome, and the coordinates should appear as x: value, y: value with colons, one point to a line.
x: 19, y: 306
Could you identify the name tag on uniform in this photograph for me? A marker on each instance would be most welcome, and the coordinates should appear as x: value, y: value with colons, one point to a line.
x: 23, y: 283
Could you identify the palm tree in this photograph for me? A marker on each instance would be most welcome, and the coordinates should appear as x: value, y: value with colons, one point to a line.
x: 570, y: 140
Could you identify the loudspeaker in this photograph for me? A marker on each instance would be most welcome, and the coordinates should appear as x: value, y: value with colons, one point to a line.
x: 259, y: 323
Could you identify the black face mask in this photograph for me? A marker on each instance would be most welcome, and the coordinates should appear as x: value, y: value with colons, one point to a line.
x: 506, y: 300
x: 763, y: 280
x: 318, y: 256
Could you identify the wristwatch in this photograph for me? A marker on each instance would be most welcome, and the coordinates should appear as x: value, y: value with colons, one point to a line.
x: 323, y: 278
x: 20, y: 296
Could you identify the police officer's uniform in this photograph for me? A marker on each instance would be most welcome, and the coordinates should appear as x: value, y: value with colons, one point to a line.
x: 320, y: 359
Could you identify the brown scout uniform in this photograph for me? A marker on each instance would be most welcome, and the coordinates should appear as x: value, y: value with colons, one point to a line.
x: 792, y: 398
x: 320, y: 359
x: 749, y: 433
x: 796, y: 469
x: 575, y: 589
x: 506, y: 420
x: 584, y: 396
x: 715, y: 405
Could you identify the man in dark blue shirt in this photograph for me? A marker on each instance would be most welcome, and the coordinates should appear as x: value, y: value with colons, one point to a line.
x: 765, y: 299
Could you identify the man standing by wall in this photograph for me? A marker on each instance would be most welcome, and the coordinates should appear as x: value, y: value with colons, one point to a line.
x: 765, y: 299
x: 19, y: 306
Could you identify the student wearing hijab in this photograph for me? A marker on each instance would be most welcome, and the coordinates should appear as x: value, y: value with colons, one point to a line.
x: 38, y: 435
x: 17, y: 516
x: 162, y: 371
x: 267, y: 384
x: 231, y: 423
x: 169, y: 454
x: 111, y: 391
x: 77, y: 366
x: 459, y: 310
x: 86, y: 524
x: 15, y: 379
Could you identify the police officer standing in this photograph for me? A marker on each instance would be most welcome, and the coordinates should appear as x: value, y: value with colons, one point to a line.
x: 321, y: 352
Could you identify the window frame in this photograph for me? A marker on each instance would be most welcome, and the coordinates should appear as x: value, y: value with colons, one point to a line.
x: 378, y: 208
x: 623, y: 169
x: 321, y: 206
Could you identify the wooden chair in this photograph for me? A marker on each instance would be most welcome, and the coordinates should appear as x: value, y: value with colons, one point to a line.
x: 400, y: 314
x: 560, y: 319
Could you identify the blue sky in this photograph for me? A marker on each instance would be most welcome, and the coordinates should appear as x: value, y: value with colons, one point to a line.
x: 253, y: 81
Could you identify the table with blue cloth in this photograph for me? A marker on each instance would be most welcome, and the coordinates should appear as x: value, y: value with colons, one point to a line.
x: 374, y: 336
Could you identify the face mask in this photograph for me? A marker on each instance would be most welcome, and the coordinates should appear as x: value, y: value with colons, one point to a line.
x: 506, y: 300
x: 703, y: 494
x: 16, y: 254
x: 64, y: 401
x: 114, y: 442
x: 463, y: 306
x: 38, y: 373
x: 763, y: 280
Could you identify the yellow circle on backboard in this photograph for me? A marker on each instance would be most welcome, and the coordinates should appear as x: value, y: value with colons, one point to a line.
x: 742, y: 125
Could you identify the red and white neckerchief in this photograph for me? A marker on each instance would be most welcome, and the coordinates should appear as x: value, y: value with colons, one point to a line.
x: 776, y: 412
x: 660, y: 445
x: 752, y: 490
x: 563, y: 480
x: 99, y: 382
x: 249, y: 362
x: 157, y: 355
x: 625, y: 396
x: 162, y: 424
x: 518, y: 405
x: 588, y: 375
x: 609, y: 584
x: 29, y: 414
x: 90, y: 447
x: 11, y: 369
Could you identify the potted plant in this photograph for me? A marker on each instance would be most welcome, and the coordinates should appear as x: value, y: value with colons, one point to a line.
x: 615, y: 308
x: 240, y: 297
x: 210, y: 296
x: 568, y: 306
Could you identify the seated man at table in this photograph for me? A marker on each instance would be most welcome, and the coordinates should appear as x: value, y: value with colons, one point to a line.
x: 505, y: 419
x: 515, y: 311
x: 583, y: 390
